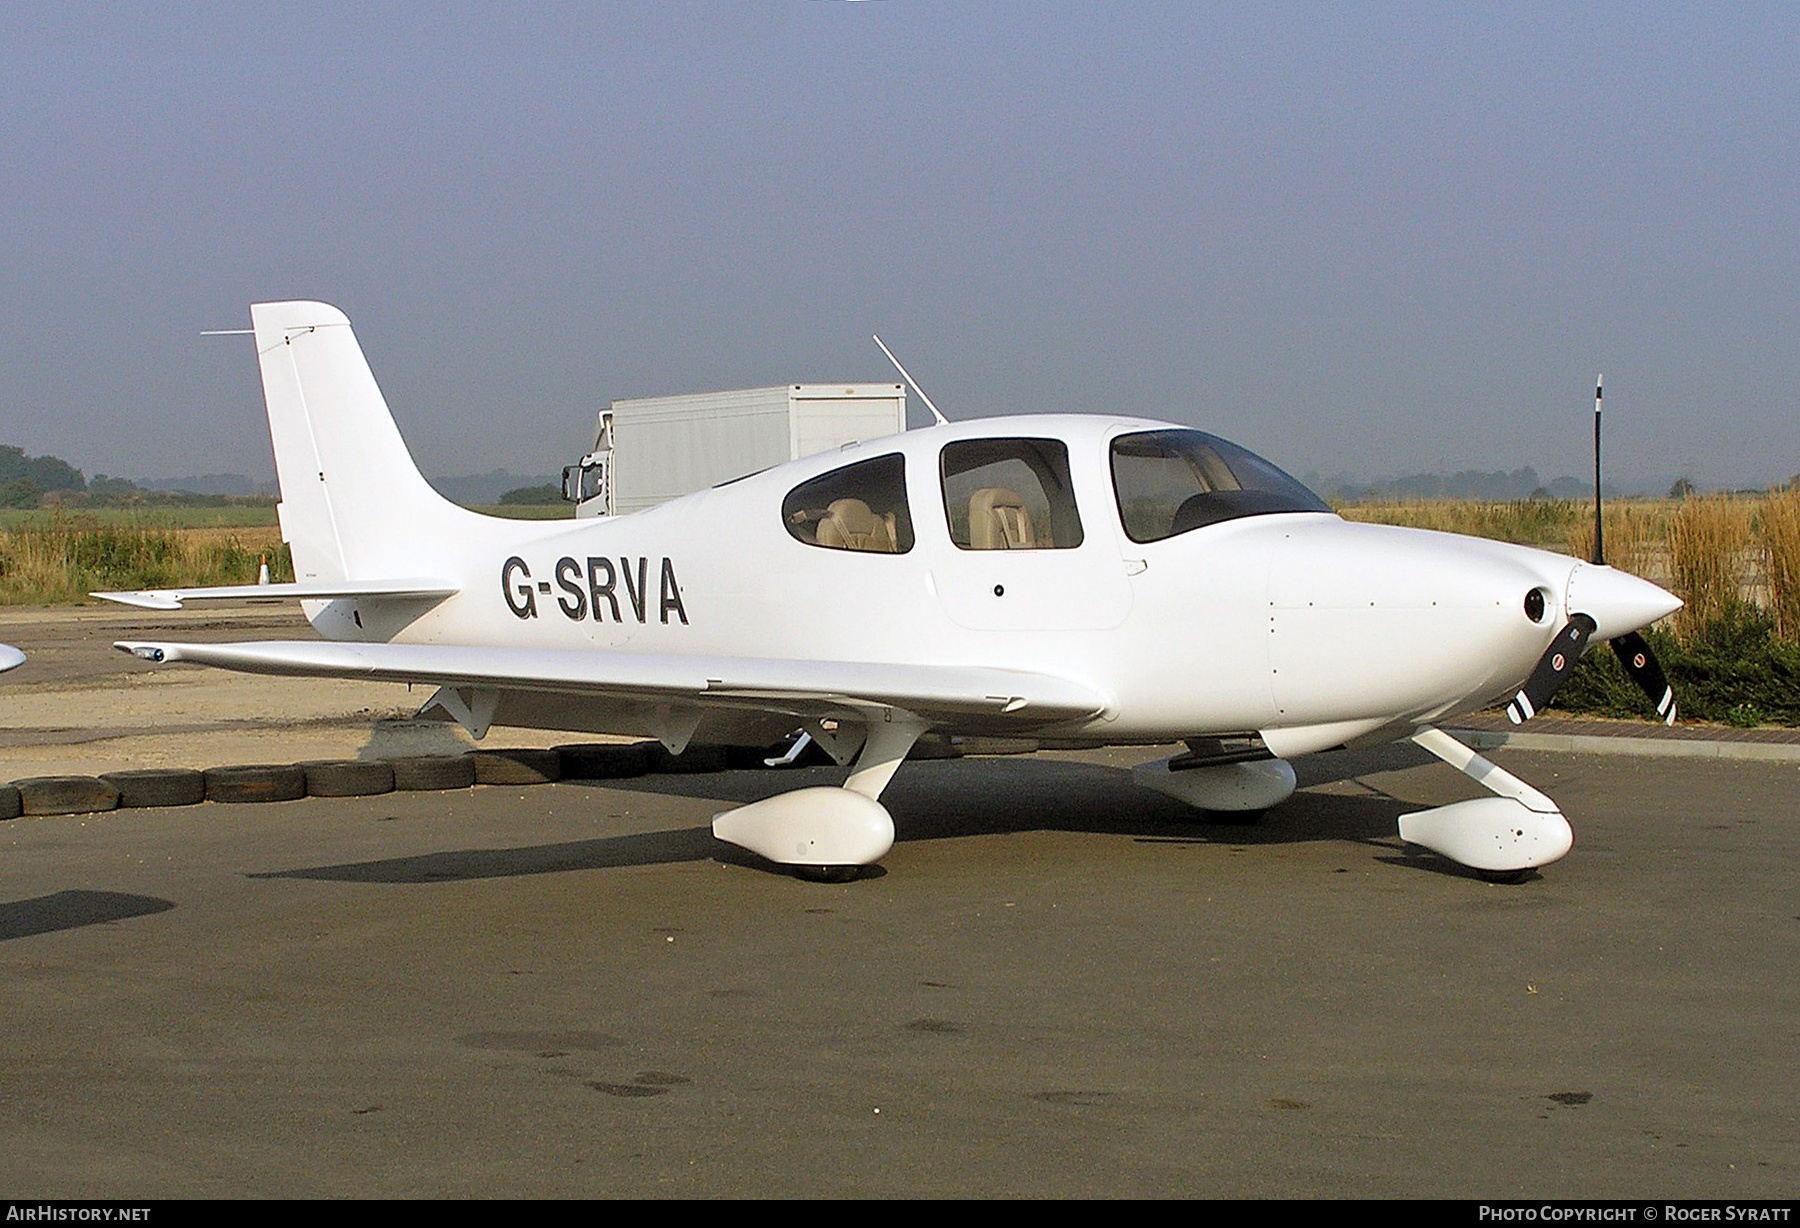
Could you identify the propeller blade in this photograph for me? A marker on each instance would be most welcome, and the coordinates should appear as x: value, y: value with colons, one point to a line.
x: 1640, y: 665
x: 1552, y: 669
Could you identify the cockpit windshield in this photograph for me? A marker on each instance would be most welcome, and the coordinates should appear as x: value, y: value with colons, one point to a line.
x: 1168, y: 482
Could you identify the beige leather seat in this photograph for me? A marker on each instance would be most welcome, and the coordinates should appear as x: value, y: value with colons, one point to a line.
x: 998, y: 521
x: 850, y: 525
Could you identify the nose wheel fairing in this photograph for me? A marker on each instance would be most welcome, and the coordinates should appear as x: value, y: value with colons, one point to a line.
x: 1516, y: 830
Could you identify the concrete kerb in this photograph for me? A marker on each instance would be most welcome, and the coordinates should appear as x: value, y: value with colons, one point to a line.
x: 1601, y: 744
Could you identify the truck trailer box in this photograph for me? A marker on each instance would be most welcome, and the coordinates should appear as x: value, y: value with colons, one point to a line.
x: 652, y: 449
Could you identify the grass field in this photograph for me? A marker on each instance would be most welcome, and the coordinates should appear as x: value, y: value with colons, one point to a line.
x: 247, y: 516
x: 528, y: 511
x: 64, y: 559
x: 54, y: 557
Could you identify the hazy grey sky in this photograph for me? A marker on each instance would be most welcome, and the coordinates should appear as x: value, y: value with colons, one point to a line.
x: 1364, y: 238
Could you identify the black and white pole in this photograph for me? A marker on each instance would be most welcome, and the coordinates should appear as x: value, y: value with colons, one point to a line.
x: 1599, y: 539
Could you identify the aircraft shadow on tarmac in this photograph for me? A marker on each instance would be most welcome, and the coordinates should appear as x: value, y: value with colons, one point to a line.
x: 67, y: 910
x: 945, y: 799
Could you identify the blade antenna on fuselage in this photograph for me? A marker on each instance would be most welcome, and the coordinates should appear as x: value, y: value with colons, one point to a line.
x: 923, y: 395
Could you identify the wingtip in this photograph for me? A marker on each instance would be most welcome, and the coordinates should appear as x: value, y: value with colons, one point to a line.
x: 146, y: 599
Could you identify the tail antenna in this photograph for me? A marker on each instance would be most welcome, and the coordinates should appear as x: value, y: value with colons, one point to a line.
x: 1599, y: 541
x: 923, y: 395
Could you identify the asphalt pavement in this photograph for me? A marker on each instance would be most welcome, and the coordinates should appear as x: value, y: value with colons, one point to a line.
x: 1055, y: 984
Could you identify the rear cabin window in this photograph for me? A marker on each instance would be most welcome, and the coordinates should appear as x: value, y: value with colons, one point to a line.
x: 1168, y: 482
x: 1010, y: 494
x: 860, y: 507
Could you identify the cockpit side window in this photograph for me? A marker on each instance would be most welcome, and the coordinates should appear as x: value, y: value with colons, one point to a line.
x: 1010, y: 494
x: 1168, y: 482
x: 859, y: 507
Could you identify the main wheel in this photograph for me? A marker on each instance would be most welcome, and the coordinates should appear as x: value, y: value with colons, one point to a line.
x: 1504, y: 877
x: 828, y: 874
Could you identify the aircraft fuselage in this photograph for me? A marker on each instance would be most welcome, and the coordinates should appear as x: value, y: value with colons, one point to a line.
x: 1291, y: 621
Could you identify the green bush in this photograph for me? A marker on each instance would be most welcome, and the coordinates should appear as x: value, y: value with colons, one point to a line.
x: 1734, y: 670
x: 532, y: 496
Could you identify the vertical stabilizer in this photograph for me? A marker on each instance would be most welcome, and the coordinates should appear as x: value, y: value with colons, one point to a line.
x: 351, y: 497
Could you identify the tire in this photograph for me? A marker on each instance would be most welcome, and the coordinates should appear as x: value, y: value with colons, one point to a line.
x: 1505, y: 878
x: 256, y: 782
x: 828, y: 874
x: 603, y: 761
x: 429, y: 772
x: 9, y: 802
x: 348, y: 777
x: 517, y: 767
x: 153, y: 787
x: 65, y: 795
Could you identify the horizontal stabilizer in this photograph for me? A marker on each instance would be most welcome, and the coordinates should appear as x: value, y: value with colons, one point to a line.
x: 370, y: 590
x: 755, y: 683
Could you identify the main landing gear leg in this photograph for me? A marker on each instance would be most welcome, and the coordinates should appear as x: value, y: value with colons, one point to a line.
x: 828, y: 834
x: 1503, y: 836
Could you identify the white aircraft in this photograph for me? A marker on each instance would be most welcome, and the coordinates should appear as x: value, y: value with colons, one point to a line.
x: 1091, y: 577
x: 10, y: 658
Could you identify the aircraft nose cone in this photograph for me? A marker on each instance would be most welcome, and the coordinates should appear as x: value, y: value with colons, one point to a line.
x: 1617, y: 601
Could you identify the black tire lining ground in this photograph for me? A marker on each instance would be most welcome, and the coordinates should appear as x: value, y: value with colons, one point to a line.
x: 278, y: 782
x: 604, y: 760
x: 517, y: 767
x: 433, y: 772
x: 147, y: 787
x: 701, y: 758
x: 65, y: 795
x: 256, y: 782
x: 348, y: 777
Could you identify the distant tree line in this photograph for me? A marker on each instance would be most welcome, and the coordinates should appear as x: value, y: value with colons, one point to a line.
x: 1501, y: 485
x: 24, y: 480
x: 49, y: 481
x: 532, y: 496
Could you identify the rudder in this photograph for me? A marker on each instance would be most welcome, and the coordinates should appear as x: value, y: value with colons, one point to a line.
x: 347, y: 480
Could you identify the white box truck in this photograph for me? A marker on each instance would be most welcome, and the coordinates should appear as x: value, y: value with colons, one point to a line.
x: 649, y: 450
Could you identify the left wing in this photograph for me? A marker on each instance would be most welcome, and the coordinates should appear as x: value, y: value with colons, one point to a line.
x: 615, y: 685
x: 10, y: 658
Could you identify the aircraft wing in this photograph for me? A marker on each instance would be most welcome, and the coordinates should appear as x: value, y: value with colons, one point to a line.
x: 10, y: 658
x: 803, y: 688
x: 391, y: 590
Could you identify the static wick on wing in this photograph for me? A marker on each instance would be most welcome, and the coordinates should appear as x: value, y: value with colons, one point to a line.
x: 923, y: 395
